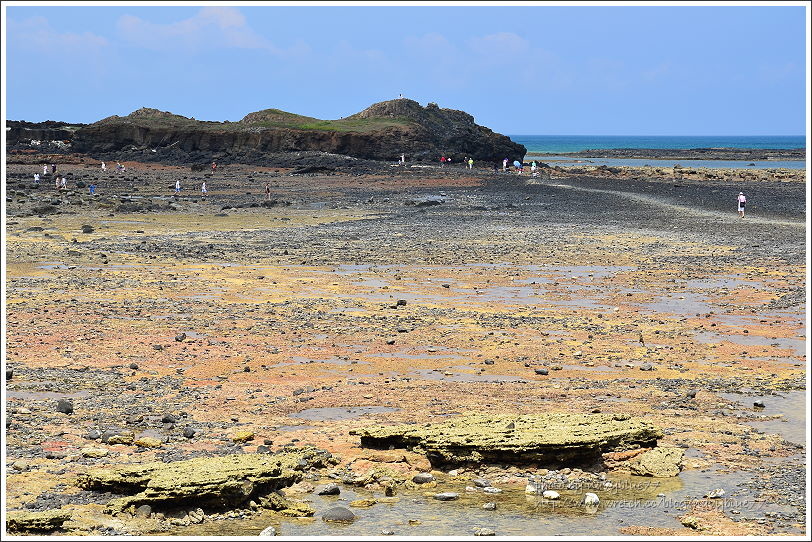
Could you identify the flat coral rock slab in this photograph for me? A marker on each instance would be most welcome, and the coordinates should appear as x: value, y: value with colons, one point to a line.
x: 45, y: 521
x: 222, y: 480
x: 552, y: 437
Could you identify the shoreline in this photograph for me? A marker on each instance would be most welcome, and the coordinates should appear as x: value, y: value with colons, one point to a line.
x: 686, y: 154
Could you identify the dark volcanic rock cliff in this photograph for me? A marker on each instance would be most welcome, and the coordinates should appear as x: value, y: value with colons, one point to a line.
x: 383, y: 131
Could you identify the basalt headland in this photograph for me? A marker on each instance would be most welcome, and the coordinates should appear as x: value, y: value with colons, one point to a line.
x: 383, y: 131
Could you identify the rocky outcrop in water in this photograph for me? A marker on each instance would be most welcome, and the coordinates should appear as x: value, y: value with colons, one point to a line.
x: 540, y: 438
x: 383, y: 131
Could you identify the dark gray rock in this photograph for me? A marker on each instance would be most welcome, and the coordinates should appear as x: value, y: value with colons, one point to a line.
x: 542, y: 371
x: 170, y: 418
x: 9, y: 373
x: 329, y: 489
x: 481, y: 482
x: 447, y: 496
x: 180, y: 337
x: 189, y: 432
x: 423, y: 478
x: 65, y: 406
x: 338, y: 513
x: 647, y: 367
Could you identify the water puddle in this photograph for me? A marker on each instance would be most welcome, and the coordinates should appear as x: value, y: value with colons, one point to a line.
x: 798, y: 346
x: 340, y: 413
x: 431, y: 374
x: 632, y: 501
x: 45, y: 395
x: 793, y: 406
x: 596, y: 368
x: 683, y: 304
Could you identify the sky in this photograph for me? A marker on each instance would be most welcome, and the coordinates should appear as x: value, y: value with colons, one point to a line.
x: 518, y: 69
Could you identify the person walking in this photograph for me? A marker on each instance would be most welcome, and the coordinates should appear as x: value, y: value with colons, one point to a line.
x: 44, y: 169
x: 177, y: 186
x: 63, y: 184
x: 104, y: 167
x: 442, y: 161
x: 203, y: 188
x: 213, y: 167
x: 742, y: 200
x: 470, y: 163
x: 36, y: 178
x: 92, y: 189
x: 267, y: 191
x: 504, y: 164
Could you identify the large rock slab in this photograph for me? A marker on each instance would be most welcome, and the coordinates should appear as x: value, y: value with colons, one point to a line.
x: 218, y: 482
x: 537, y: 438
x: 36, y: 522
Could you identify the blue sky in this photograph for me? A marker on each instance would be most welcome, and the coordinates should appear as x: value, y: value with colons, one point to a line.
x: 626, y: 70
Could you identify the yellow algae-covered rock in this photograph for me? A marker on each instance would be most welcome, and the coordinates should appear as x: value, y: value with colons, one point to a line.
x: 478, y: 438
x: 148, y: 442
x: 89, y: 451
x: 243, y: 436
x: 660, y: 462
x: 220, y: 481
x: 46, y: 521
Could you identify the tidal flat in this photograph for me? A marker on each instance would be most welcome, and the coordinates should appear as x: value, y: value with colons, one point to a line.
x: 178, y: 326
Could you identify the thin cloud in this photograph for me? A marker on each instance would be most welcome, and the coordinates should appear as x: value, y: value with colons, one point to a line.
x: 500, y: 44
x: 37, y: 34
x: 209, y: 28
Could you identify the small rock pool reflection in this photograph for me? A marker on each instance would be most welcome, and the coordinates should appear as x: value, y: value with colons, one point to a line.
x: 635, y: 500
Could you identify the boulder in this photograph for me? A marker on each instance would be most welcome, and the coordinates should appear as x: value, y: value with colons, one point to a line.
x: 536, y: 438
x: 662, y: 462
x: 338, y: 513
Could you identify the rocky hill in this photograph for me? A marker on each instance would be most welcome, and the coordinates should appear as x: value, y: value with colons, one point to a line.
x: 383, y: 131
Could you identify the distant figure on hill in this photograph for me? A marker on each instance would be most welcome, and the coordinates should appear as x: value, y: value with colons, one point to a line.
x: 504, y: 164
x: 203, y: 188
x: 119, y: 167
x: 470, y: 163
x: 533, y: 168
x: 92, y: 189
x: 268, y: 191
x: 213, y: 166
x: 742, y: 201
x: 53, y: 169
x: 57, y: 182
x: 63, y: 184
x: 36, y: 178
x: 45, y: 169
x: 442, y: 161
x: 177, y: 186
x: 402, y: 158
x: 104, y: 166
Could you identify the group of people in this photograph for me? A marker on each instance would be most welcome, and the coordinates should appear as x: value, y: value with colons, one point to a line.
x: 467, y: 161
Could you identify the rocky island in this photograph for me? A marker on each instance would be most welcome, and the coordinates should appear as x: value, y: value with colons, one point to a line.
x: 383, y: 131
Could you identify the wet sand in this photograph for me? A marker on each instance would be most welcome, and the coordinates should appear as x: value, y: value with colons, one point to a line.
x: 407, y: 295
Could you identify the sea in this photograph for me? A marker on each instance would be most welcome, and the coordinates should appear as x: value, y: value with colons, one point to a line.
x: 536, y: 144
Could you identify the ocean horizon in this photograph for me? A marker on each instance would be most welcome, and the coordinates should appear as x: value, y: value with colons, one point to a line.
x: 575, y: 143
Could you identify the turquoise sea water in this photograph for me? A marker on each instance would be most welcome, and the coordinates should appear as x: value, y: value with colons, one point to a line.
x: 536, y: 144
x: 572, y: 143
